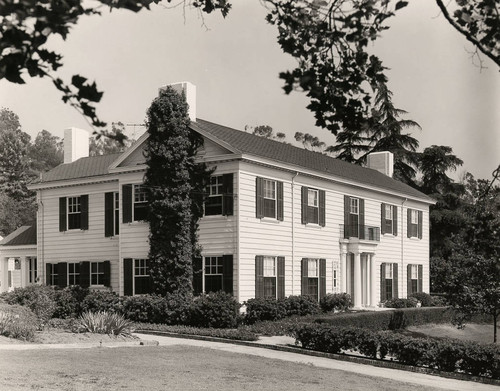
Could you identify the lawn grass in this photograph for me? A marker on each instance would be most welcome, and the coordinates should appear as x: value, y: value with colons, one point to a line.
x: 476, y: 332
x: 174, y: 367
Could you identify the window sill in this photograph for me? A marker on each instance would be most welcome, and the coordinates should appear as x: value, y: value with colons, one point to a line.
x: 389, y: 235
x: 313, y: 226
x: 269, y: 220
x: 73, y: 231
x: 415, y: 238
x: 211, y: 217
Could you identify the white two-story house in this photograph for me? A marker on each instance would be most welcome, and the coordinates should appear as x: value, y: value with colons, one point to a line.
x: 279, y: 221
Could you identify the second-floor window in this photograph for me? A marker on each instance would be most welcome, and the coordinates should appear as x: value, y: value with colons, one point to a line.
x: 354, y: 217
x: 111, y: 214
x: 219, y: 201
x: 269, y: 196
x: 140, y: 203
x: 313, y: 206
x: 389, y: 220
x: 74, y: 213
x: 414, y: 226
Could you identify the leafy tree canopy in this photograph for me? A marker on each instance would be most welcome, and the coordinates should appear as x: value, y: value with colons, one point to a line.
x: 114, y: 141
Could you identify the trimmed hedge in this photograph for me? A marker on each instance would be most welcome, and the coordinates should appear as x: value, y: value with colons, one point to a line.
x: 385, y: 320
x: 443, y: 354
x: 401, y: 303
x: 336, y: 302
x: 217, y: 310
x: 240, y: 334
x: 270, y: 309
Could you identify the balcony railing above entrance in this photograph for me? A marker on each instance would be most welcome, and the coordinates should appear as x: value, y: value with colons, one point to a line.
x: 363, y: 232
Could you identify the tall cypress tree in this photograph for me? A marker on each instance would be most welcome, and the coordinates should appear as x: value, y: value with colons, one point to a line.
x: 175, y: 183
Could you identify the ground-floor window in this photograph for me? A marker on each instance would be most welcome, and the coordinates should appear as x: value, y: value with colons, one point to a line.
x: 213, y: 273
x: 269, y: 276
x: 214, y: 267
x: 313, y: 277
x: 32, y: 270
x: 96, y: 273
x: 52, y: 277
x: 414, y: 279
x: 73, y: 273
x: 142, y: 280
x: 388, y: 281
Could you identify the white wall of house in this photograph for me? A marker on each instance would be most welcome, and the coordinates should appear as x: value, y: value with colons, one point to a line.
x: 75, y: 245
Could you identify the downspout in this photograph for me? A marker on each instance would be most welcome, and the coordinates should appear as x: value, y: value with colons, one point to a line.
x: 293, y: 233
x: 402, y: 245
x: 41, y: 228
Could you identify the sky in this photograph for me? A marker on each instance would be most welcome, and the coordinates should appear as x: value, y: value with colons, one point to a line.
x: 235, y: 63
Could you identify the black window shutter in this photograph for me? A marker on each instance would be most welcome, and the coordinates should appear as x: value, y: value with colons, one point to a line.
x: 62, y: 214
x: 383, y: 296
x: 382, y: 219
x: 227, y: 273
x: 347, y: 212
x: 85, y: 274
x: 281, y: 278
x: 420, y: 278
x: 395, y: 280
x: 304, y: 204
x: 227, y: 191
x: 305, y: 277
x: 259, y: 276
x: 106, y: 281
x: 322, y: 278
x: 62, y: 274
x: 322, y: 208
x: 48, y: 269
x: 84, y: 204
x: 109, y: 199
x: 408, y: 279
x: 128, y: 275
x: 420, y: 221
x: 395, y: 221
x: 279, y: 199
x: 408, y: 224
x: 259, y: 198
x: 127, y: 203
x: 361, y: 211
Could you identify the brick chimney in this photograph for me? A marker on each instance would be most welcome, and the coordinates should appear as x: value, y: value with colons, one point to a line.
x: 382, y: 162
x: 190, y: 94
x: 76, y: 144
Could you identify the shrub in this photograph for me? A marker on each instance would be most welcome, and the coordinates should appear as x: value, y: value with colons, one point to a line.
x: 400, y: 303
x: 38, y: 298
x: 240, y: 334
x: 99, y: 301
x: 425, y: 299
x: 69, y: 301
x: 398, y: 321
x: 262, y: 309
x: 338, y: 302
x: 218, y: 310
x: 145, y: 308
x: 299, y: 305
x: 104, y: 322
x: 17, y: 322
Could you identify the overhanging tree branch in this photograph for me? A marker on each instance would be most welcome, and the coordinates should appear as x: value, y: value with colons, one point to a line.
x: 466, y: 34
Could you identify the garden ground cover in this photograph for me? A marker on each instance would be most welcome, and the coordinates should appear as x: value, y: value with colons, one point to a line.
x: 471, y: 332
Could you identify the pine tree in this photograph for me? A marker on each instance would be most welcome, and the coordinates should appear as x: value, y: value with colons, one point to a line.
x: 175, y: 183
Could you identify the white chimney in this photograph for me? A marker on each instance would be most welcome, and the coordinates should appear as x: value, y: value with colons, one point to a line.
x: 189, y: 90
x: 76, y: 144
x: 382, y: 162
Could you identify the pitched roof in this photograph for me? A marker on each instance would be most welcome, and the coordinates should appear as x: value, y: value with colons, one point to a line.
x: 81, y: 168
x: 25, y: 235
x: 247, y: 143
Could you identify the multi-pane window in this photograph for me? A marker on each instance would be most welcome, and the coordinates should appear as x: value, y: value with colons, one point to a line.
x: 142, y: 281
x: 96, y: 273
x: 389, y: 219
x: 213, y: 204
x: 116, y: 213
x: 74, y: 213
x: 388, y: 280
x: 335, y: 278
x: 213, y: 273
x: 270, y: 277
x: 413, y: 223
x: 33, y: 270
x: 354, y: 228
x: 354, y: 206
x: 140, y: 203
x: 313, y: 206
x: 414, y: 278
x: 312, y: 276
x: 73, y: 274
x: 269, y: 198
x: 53, y: 277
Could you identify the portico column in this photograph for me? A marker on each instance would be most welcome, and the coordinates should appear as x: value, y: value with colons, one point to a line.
x: 373, y: 285
x: 4, y: 274
x: 24, y: 272
x: 343, y: 272
x: 368, y: 280
x: 357, y: 280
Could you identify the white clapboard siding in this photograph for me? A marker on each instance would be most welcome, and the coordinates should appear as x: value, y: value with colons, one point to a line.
x: 76, y: 245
